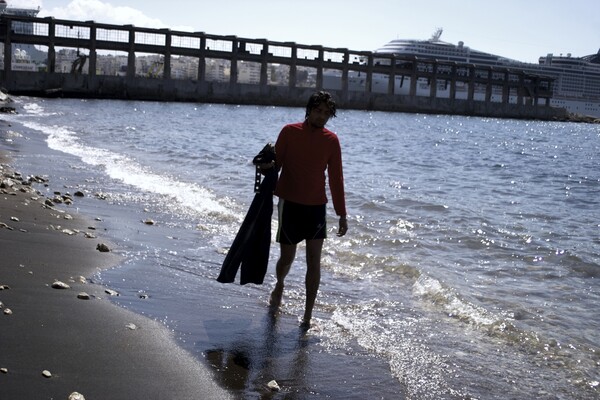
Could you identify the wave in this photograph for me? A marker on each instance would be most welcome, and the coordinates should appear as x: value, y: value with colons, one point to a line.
x: 423, y: 373
x: 191, y: 197
x: 576, y: 360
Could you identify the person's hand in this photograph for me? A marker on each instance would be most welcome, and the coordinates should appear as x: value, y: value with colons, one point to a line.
x: 265, y: 167
x: 343, y: 226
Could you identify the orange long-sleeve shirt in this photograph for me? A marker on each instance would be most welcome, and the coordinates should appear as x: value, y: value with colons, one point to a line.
x: 303, y: 154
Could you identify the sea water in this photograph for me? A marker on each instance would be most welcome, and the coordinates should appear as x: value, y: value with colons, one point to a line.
x: 471, y: 268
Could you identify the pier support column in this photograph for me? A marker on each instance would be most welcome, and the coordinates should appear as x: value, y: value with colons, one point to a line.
x: 521, y: 88
x: 167, y: 61
x: 264, y: 66
x: 7, y: 50
x: 202, y: 60
x: 392, y: 77
x: 320, y: 63
x: 471, y: 83
x: 93, y: 56
x: 536, y: 90
x: 131, y: 53
x: 293, y: 66
x: 506, y: 88
x: 51, y: 45
x: 488, y: 86
x: 433, y: 81
x: 453, y: 77
x: 369, y: 80
x: 233, y: 77
x: 413, y: 79
x: 548, y: 91
x: 345, y: 66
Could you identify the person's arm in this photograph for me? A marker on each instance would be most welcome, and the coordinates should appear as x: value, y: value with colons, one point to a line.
x: 336, y: 180
x: 336, y: 185
x: 342, y: 225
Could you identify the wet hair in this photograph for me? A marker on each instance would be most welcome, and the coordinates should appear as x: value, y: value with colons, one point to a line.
x: 320, y: 97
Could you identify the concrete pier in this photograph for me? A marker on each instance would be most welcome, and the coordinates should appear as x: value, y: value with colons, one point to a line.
x: 89, y: 59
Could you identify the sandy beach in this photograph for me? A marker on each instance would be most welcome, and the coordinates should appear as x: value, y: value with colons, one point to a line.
x: 57, y: 342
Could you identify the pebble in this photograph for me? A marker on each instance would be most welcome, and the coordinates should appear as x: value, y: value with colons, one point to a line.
x: 60, y: 285
x: 4, y: 370
x: 131, y: 326
x: 83, y: 296
x: 7, y: 311
x: 79, y: 194
x: 274, y: 386
x: 15, y: 219
x: 3, y: 225
x: 37, y: 179
x: 89, y: 235
x: 76, y: 396
x: 47, y: 373
x: 149, y: 222
x: 111, y: 292
x: 4, y: 287
x: 102, y: 248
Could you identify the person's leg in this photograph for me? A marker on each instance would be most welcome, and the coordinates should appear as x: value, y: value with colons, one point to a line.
x: 286, y: 258
x: 313, y: 276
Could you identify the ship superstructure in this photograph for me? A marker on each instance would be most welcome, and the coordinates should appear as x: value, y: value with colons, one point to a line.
x: 26, y: 12
x: 577, y: 79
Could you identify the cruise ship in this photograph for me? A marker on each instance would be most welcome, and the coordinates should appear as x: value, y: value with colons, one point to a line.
x: 577, y: 79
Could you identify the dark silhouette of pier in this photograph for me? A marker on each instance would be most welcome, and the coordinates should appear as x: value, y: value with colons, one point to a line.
x: 285, y: 73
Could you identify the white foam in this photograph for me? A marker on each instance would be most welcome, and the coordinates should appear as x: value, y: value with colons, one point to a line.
x: 33, y: 109
x: 127, y: 170
x: 451, y: 303
x: 422, y: 372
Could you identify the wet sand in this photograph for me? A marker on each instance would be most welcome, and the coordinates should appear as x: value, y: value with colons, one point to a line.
x: 90, y: 346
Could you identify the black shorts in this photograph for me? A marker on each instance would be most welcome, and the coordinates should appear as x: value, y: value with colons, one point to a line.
x: 298, y: 222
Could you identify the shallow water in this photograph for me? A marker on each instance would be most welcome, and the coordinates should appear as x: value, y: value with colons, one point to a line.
x: 470, y: 271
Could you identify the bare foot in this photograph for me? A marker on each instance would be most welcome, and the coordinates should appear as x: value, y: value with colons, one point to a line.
x: 305, y: 324
x: 276, y: 294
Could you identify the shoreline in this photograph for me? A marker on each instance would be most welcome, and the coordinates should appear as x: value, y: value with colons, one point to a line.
x: 87, y: 343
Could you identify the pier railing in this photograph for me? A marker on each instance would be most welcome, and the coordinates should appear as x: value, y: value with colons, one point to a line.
x: 90, y: 59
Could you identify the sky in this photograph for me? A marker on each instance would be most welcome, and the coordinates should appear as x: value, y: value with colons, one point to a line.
x: 522, y: 30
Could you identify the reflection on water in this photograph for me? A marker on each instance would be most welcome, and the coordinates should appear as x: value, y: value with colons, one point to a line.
x: 255, y: 358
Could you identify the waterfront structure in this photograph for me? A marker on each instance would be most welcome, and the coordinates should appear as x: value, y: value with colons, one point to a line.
x: 27, y: 54
x: 576, y: 84
x: 238, y: 70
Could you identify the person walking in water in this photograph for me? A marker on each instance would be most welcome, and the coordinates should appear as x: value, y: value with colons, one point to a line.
x: 304, y: 151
